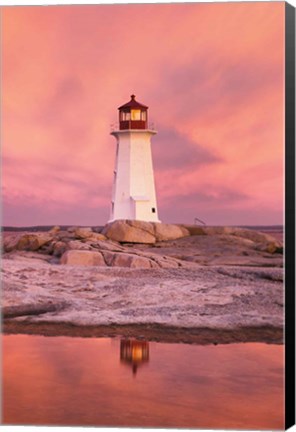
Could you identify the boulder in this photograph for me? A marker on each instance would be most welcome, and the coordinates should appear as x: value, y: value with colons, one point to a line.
x: 64, y: 235
x: 142, y: 225
x: 115, y: 259
x: 33, y: 242
x: 55, y: 229
x: 83, y: 233
x: 83, y: 258
x: 107, y: 245
x: 270, y: 247
x: 130, y: 232
x: 130, y: 260
x: 96, y: 237
x: 164, y: 232
x: 139, y: 260
x: 59, y: 248
x: 78, y: 245
x: 9, y: 241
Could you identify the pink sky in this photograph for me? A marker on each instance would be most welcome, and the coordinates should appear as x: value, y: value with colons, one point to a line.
x: 211, y: 74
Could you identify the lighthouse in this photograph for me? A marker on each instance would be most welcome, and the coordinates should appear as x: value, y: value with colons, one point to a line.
x: 133, y: 194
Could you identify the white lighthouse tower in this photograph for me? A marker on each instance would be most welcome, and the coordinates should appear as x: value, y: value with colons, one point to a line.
x: 133, y: 195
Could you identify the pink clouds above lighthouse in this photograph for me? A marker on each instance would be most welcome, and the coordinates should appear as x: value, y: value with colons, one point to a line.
x: 211, y: 74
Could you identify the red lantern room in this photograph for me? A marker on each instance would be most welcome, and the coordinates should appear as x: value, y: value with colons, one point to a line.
x: 133, y: 115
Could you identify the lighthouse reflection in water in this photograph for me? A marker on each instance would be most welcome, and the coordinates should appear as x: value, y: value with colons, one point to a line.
x: 134, y: 353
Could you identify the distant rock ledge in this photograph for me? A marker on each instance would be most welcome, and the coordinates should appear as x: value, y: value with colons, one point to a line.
x: 122, y: 243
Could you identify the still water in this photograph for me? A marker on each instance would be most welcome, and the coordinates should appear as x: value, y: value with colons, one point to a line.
x: 113, y: 382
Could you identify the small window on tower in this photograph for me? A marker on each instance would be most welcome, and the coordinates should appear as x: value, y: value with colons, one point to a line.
x: 136, y: 114
x: 153, y: 209
x: 125, y: 116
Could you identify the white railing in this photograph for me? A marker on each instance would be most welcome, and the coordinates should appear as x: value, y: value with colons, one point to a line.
x: 199, y: 221
x: 114, y: 127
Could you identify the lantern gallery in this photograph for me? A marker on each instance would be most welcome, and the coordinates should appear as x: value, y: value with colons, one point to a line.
x: 133, y: 195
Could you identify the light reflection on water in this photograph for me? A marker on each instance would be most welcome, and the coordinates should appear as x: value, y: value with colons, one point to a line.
x: 108, y: 382
x: 134, y: 353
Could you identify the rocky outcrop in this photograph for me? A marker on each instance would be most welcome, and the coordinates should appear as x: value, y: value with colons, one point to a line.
x: 59, y: 248
x: 83, y: 257
x: 88, y: 234
x: 123, y: 258
x: 201, y: 297
x: 215, y: 278
x: 270, y: 247
x: 261, y: 241
x: 82, y: 233
x: 33, y: 242
x: 139, y: 244
x: 9, y: 242
x: 129, y: 260
x: 78, y: 245
x: 250, y: 234
x: 55, y: 229
x: 127, y: 231
x: 28, y: 241
x: 165, y: 232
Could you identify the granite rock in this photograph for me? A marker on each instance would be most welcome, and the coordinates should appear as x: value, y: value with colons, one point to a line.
x: 83, y: 257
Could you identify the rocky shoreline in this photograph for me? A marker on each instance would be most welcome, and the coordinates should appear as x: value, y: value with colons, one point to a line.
x: 149, y: 332
x: 155, y: 281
